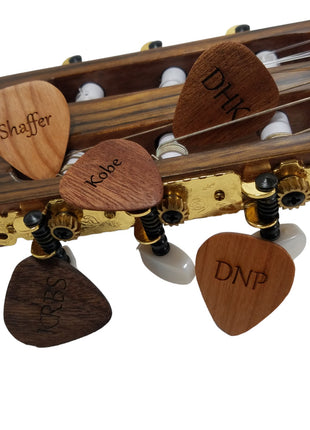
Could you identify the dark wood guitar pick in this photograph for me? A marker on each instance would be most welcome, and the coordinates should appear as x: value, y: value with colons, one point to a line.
x: 34, y: 128
x: 226, y: 83
x: 116, y: 174
x: 49, y: 302
x: 242, y: 279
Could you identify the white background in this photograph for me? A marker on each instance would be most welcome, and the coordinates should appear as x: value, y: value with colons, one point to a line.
x: 161, y: 363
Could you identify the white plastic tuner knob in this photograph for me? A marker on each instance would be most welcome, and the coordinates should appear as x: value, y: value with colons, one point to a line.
x: 268, y: 58
x: 70, y: 255
x: 168, y: 147
x: 176, y: 266
x: 278, y: 126
x: 89, y: 91
x: 172, y: 76
x: 291, y: 238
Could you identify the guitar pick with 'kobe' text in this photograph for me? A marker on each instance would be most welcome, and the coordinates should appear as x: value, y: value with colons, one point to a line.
x: 116, y: 174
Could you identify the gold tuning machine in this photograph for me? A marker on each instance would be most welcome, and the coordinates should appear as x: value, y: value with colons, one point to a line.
x: 293, y: 187
x: 173, y: 209
x: 64, y: 222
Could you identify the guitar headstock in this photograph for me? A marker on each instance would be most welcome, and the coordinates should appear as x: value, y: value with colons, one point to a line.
x: 214, y: 127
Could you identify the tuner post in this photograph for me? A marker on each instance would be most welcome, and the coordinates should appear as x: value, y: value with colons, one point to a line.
x: 37, y: 222
x: 152, y: 232
x: 268, y: 208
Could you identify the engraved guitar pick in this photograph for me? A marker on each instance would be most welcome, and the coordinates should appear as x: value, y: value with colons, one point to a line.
x: 242, y: 279
x: 34, y: 128
x: 49, y: 302
x: 227, y: 82
x: 116, y: 174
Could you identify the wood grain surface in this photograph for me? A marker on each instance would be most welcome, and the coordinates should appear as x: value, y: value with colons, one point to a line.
x: 242, y: 279
x: 49, y: 302
x: 135, y: 105
x: 115, y: 175
x: 34, y: 128
x: 226, y: 83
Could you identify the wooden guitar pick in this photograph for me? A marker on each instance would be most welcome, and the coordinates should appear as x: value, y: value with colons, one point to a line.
x: 227, y: 82
x: 114, y: 175
x: 34, y: 128
x: 49, y: 302
x: 242, y: 279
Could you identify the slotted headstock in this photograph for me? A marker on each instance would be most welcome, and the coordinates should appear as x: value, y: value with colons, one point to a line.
x: 120, y: 180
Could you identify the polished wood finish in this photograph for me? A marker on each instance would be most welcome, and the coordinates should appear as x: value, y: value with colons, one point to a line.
x: 226, y: 82
x: 114, y: 175
x: 134, y: 106
x: 49, y: 302
x: 34, y: 129
x: 242, y: 279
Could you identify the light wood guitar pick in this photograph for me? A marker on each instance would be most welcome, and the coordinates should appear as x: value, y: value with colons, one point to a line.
x: 34, y: 128
x: 227, y: 82
x: 242, y: 279
x: 114, y: 175
x: 49, y: 302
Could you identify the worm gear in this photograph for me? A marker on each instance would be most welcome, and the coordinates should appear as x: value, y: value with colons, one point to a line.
x: 173, y: 210
x: 64, y: 226
x: 293, y: 192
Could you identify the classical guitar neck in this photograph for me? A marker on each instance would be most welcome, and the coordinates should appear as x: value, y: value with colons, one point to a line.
x: 135, y: 107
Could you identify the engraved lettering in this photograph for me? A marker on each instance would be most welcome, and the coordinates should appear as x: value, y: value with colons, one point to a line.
x: 235, y: 275
x: 235, y: 108
x: 29, y: 128
x: 214, y: 81
x: 116, y: 163
x: 48, y: 318
x: 260, y: 278
x: 223, y: 271
x: 232, y: 102
x: 103, y: 173
x: 92, y: 182
x: 47, y: 119
x: 242, y: 276
x: 108, y: 169
x: 52, y: 303
x: 3, y: 132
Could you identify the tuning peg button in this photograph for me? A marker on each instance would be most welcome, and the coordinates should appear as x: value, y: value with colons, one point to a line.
x: 268, y: 58
x: 291, y: 238
x: 278, y: 126
x: 71, y: 256
x: 172, y: 76
x: 89, y: 91
x: 176, y: 266
x: 168, y: 147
